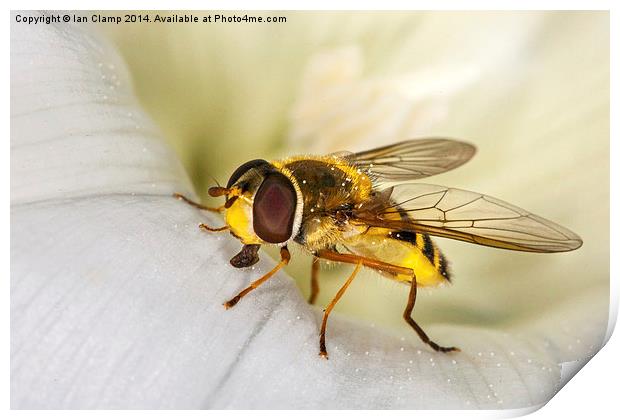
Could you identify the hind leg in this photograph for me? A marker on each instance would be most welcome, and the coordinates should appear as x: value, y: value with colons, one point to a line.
x: 407, y: 315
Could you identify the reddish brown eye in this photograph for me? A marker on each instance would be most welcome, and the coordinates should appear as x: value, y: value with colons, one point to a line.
x: 274, y: 209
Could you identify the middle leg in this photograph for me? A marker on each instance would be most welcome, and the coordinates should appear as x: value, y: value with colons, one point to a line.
x: 323, y: 349
x: 393, y: 269
x: 365, y: 261
x: 314, y: 280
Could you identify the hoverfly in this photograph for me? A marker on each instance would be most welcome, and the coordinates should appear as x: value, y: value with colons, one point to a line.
x: 350, y: 208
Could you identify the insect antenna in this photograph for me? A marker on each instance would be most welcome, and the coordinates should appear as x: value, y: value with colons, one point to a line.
x: 213, y: 178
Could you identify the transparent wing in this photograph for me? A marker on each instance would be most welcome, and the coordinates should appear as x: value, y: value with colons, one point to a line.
x: 465, y: 216
x: 412, y: 159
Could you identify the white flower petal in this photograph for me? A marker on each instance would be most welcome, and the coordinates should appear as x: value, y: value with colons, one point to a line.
x: 71, y: 111
x: 116, y: 295
x: 437, y: 59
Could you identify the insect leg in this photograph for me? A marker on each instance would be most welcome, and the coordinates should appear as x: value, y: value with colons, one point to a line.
x: 314, y: 280
x: 407, y: 315
x: 323, y: 349
x: 394, y: 269
x: 197, y: 205
x: 285, y: 257
x: 211, y: 229
x: 366, y: 262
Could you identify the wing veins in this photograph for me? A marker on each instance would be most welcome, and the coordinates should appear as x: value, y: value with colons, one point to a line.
x: 522, y: 231
x: 412, y: 159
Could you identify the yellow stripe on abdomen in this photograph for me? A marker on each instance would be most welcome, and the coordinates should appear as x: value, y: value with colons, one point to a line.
x: 404, y: 249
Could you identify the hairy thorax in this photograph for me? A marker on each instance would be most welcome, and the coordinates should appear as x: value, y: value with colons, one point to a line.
x: 331, y: 188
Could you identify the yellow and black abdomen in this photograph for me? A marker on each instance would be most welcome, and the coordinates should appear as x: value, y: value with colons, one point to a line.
x: 406, y: 249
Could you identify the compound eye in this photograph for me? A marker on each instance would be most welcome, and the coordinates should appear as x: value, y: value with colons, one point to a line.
x: 241, y: 170
x: 274, y: 209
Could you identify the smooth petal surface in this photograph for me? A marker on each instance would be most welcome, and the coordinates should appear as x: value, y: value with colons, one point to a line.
x: 116, y: 294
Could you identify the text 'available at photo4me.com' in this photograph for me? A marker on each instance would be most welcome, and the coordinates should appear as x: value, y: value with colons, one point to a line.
x: 154, y: 18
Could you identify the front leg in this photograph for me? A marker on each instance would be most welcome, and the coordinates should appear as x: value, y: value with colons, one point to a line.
x: 198, y: 205
x: 285, y: 257
x: 203, y: 226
